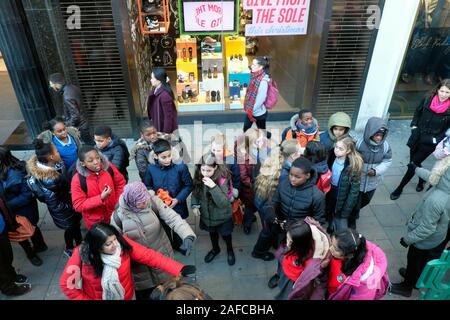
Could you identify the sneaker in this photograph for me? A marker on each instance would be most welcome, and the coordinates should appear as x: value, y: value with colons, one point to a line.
x: 18, y: 289
x: 68, y: 252
x: 20, y: 279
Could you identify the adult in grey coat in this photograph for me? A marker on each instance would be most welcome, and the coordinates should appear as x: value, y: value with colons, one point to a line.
x: 138, y: 217
x: 427, y: 228
x: 74, y: 113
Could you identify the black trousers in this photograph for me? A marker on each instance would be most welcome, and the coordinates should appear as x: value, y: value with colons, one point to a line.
x: 38, y: 242
x: 260, y: 123
x: 268, y: 237
x: 416, y: 155
x: 73, y: 236
x: 417, y: 259
x: 365, y: 198
x: 7, y: 272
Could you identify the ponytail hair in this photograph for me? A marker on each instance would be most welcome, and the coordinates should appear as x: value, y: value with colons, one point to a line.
x: 42, y: 150
x: 265, y: 63
x: 353, y: 246
x: 161, y: 75
x: 356, y: 161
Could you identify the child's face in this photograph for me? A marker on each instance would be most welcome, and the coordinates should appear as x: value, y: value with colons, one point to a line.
x: 340, y: 150
x: 339, y: 131
x: 56, y: 157
x: 164, y: 158
x: 92, y: 161
x: 59, y: 130
x: 207, y: 171
x: 217, y: 150
x: 377, y: 137
x: 334, y: 249
x: 110, y: 245
x: 150, y: 135
x: 101, y: 142
x: 297, y: 177
x: 307, y: 119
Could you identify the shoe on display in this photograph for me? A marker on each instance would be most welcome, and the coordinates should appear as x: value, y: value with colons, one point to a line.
x: 215, y: 71
x: 184, y: 55
x: 240, y: 57
x: 213, y: 96
x: 208, y: 97
x: 190, y: 54
x: 218, y: 96
x: 209, y: 39
x: 209, y: 73
x: 180, y: 99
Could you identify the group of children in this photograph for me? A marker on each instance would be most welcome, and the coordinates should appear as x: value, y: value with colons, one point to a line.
x: 326, y: 177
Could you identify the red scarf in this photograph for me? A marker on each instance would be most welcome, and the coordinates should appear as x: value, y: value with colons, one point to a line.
x: 439, y: 107
x: 252, y: 92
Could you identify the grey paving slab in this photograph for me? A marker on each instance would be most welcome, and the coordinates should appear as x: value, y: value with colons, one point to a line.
x: 389, y: 215
x: 371, y: 228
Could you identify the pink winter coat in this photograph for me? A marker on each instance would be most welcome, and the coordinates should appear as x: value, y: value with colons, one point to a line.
x: 369, y: 281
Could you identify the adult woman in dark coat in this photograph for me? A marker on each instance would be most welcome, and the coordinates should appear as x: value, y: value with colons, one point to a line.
x: 21, y: 201
x: 160, y: 103
x: 431, y: 120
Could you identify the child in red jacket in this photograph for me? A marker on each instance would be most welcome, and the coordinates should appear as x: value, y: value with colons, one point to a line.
x: 96, y: 187
x: 102, y: 263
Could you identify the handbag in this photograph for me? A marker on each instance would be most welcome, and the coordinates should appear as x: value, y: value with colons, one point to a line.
x: 413, y: 140
x: 23, y: 232
x: 238, y: 216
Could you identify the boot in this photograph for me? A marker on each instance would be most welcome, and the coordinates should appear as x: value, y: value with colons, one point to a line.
x: 401, y: 289
x: 396, y: 194
x: 211, y: 255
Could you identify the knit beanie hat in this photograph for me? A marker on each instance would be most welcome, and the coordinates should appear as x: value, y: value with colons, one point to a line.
x: 135, y: 193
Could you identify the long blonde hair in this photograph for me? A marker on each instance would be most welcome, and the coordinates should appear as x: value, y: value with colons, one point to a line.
x: 356, y: 161
x: 269, y: 174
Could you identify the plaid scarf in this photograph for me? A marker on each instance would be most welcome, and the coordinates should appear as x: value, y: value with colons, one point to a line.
x: 252, y: 92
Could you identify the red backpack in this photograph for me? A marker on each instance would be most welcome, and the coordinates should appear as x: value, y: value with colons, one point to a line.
x: 324, y: 181
x: 272, y: 94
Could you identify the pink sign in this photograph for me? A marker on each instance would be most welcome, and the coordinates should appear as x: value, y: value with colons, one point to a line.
x: 277, y: 17
x: 208, y: 16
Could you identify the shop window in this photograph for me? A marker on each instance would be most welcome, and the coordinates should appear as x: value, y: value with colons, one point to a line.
x: 427, y: 59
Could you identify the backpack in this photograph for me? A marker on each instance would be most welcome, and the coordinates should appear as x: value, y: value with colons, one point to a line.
x: 36, y: 188
x: 83, y: 183
x: 272, y: 95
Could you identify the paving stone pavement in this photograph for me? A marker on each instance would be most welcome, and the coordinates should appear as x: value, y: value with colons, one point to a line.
x: 382, y: 222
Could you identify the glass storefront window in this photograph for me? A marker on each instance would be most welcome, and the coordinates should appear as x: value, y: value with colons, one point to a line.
x: 427, y: 60
x: 208, y: 63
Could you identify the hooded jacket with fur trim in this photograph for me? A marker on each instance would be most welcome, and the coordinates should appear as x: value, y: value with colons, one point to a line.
x: 91, y: 205
x: 56, y: 191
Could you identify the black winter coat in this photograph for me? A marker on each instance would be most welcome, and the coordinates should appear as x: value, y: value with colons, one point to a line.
x: 56, y: 193
x: 118, y: 155
x: 347, y: 203
x: 74, y: 112
x: 296, y: 203
x: 429, y: 125
x: 18, y: 196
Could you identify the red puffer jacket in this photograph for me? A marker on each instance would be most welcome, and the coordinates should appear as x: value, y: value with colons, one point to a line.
x: 91, y: 205
x: 92, y: 285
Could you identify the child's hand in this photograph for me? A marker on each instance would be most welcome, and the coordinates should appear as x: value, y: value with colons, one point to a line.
x: 174, y: 203
x: 106, y: 192
x: 208, y: 182
x: 371, y: 173
x: 196, y: 212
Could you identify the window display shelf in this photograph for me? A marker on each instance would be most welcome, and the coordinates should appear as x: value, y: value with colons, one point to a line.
x: 201, y: 105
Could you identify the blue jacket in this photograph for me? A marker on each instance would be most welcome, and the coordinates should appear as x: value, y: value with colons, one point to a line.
x: 2, y: 223
x: 56, y: 193
x: 176, y: 179
x: 19, y: 197
x: 326, y: 140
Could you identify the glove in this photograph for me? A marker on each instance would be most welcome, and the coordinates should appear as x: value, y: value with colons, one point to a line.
x: 186, y: 247
x: 403, y: 243
x: 188, y: 270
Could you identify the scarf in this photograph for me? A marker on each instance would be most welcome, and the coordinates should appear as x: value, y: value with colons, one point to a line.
x: 112, y: 288
x: 439, y: 107
x: 308, y: 130
x: 135, y: 193
x: 252, y: 92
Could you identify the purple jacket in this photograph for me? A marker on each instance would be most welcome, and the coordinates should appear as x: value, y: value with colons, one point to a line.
x: 162, y: 111
x: 370, y: 280
x: 312, y: 283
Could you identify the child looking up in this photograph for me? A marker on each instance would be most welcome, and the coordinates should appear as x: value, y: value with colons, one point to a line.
x: 304, y: 127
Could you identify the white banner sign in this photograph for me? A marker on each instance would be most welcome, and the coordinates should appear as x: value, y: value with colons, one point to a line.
x: 277, y: 17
